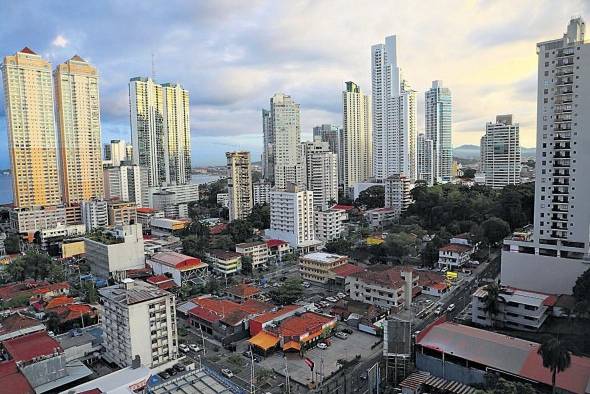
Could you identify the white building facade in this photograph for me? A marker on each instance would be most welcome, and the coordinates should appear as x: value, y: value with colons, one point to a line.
x: 438, y: 115
x: 500, y: 153
x: 321, y: 166
x: 292, y: 217
x: 397, y: 193
x: 330, y: 224
x: 425, y: 160
x: 261, y: 192
x: 127, y: 183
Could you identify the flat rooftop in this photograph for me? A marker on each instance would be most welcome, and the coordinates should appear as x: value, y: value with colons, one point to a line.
x: 323, y: 257
x: 132, y: 292
x: 197, y: 382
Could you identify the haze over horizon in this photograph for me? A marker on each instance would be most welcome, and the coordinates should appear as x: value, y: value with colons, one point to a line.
x: 233, y: 56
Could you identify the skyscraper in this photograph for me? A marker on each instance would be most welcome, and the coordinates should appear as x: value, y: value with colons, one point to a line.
x: 78, y: 119
x: 394, y: 115
x: 115, y: 152
x: 356, y: 148
x: 239, y: 185
x: 28, y: 97
x: 160, y: 130
x: 438, y: 112
x: 558, y: 252
x: 285, y: 138
x: 500, y: 152
x: 425, y: 156
x: 268, y: 163
x: 321, y: 166
x: 328, y: 133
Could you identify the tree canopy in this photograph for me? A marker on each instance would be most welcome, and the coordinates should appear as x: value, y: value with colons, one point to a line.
x: 288, y: 292
x: 582, y: 287
x: 372, y: 197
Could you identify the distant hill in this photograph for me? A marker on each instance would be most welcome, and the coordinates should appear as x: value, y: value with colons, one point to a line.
x: 472, y: 152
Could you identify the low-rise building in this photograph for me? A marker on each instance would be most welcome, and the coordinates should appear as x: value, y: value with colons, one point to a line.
x: 242, y: 292
x: 453, y: 256
x: 165, y: 227
x: 517, y: 309
x: 128, y: 380
x: 139, y: 319
x: 380, y: 217
x: 318, y: 266
x: 330, y: 224
x: 17, y: 325
x: 384, y: 286
x: 467, y: 354
x: 121, y: 213
x: 225, y: 262
x: 433, y: 284
x: 180, y: 267
x: 278, y: 249
x: 111, y: 252
x: 94, y: 214
x: 31, y: 220
x: 257, y: 251
x: 145, y: 216
x: 51, y: 239
x: 223, y: 199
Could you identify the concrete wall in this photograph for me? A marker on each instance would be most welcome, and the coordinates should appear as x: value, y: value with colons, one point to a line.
x: 554, y: 275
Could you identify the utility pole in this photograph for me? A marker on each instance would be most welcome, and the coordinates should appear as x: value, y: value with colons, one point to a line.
x: 287, y: 376
x: 252, y: 388
x: 203, y: 339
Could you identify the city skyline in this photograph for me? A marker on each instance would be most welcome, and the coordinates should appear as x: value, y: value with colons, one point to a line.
x: 230, y: 85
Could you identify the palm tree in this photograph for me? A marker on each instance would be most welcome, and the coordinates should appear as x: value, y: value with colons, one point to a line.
x: 492, y: 301
x: 555, y: 356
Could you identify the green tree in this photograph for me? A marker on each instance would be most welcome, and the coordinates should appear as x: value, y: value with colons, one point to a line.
x: 289, y: 292
x: 494, y: 230
x: 555, y: 357
x: 57, y: 272
x: 12, y: 244
x: 90, y: 293
x: 260, y: 216
x: 429, y: 255
x: 582, y: 287
x: 492, y: 301
x: 194, y: 245
x: 469, y: 173
x: 247, y: 267
x: 339, y: 246
x: 372, y: 197
x: 240, y: 230
x: 221, y: 241
x: 213, y: 286
x: 32, y: 265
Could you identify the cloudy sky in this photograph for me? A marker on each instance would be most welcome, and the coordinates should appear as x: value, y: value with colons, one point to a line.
x: 233, y: 55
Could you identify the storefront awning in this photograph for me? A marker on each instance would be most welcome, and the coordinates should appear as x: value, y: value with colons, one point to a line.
x: 264, y: 340
x: 291, y: 345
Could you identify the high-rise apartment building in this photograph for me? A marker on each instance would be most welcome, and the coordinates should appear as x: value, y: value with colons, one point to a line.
x: 283, y: 136
x: 94, y: 214
x: 239, y: 184
x: 292, y: 217
x: 322, y: 173
x: 394, y: 115
x: 139, y: 319
x: 261, y: 192
x: 127, y: 183
x: 78, y: 119
x: 425, y: 156
x: 28, y: 98
x: 116, y: 152
x: 438, y: 112
x: 356, y: 148
x: 268, y: 163
x: 557, y: 253
x: 328, y: 133
x: 500, y: 153
x: 160, y: 130
x: 397, y: 193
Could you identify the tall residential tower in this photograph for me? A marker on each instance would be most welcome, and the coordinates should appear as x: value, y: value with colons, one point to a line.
x: 500, y: 152
x: 78, y: 119
x: 239, y: 185
x: 394, y: 115
x: 438, y: 111
x: 28, y: 97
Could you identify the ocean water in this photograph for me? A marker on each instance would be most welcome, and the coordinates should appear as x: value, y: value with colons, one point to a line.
x: 6, y: 185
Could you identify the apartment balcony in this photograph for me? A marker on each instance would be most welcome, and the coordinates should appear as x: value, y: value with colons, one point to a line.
x: 564, y: 99
x: 563, y: 109
x: 559, y: 208
x: 563, y: 136
x: 559, y: 192
x: 560, y: 118
x: 560, y: 200
x: 565, y: 90
x: 565, y: 61
x: 565, y: 52
x: 559, y: 234
x: 562, y: 163
x: 561, y: 182
x: 559, y: 219
x: 564, y: 80
x: 562, y: 155
x: 569, y: 70
x: 562, y: 146
x: 559, y: 226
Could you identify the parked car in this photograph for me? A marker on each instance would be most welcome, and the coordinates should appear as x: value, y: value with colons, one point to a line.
x: 171, y: 371
x: 438, y: 311
x: 306, y: 284
x: 341, y: 335
x: 194, y: 347
x: 331, y: 299
x: 322, y: 346
x: 164, y: 375
x: 451, y: 308
x: 247, y: 354
x: 227, y: 373
x: 347, y: 330
x: 183, y: 348
x: 180, y: 367
x: 341, y: 295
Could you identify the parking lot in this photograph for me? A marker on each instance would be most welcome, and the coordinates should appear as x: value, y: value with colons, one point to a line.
x: 325, y: 361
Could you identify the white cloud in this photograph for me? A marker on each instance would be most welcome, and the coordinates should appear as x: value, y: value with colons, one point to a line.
x: 60, y: 41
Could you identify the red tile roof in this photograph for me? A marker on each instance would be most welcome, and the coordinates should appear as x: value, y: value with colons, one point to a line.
x: 271, y: 243
x: 162, y: 281
x: 431, y: 279
x: 17, y: 322
x: 68, y: 313
x: 12, y: 381
x: 215, y: 309
x: 217, y: 229
x: 273, y: 315
x: 308, y: 322
x: 27, y: 50
x: 347, y: 269
x: 58, y: 301
x: 243, y: 290
x: 343, y: 207
x: 224, y: 254
x: 457, y: 248
x: 390, y: 277
x: 30, y: 346
x: 177, y: 260
x: 51, y: 287
x: 146, y: 210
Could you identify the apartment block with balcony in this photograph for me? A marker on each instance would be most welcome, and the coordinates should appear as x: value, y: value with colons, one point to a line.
x: 257, y: 251
x: 330, y: 224
x: 518, y: 309
x: 318, y: 266
x: 139, y: 319
x: 384, y: 286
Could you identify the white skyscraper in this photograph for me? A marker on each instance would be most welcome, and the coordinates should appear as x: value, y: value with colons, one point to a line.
x: 425, y: 155
x: 116, y: 152
x: 394, y: 115
x: 356, y: 147
x: 500, y: 153
x: 438, y: 112
x: 322, y: 173
x: 283, y: 136
x: 127, y: 183
x: 397, y: 193
x: 160, y: 130
x: 558, y: 252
